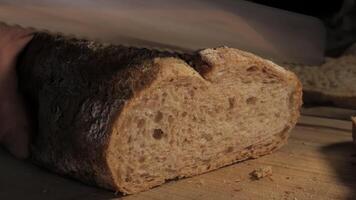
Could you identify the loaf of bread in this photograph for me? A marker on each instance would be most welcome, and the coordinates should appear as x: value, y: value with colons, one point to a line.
x: 129, y: 119
x: 332, y: 83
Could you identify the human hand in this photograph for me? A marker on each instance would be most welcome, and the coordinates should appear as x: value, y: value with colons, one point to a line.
x: 14, y: 124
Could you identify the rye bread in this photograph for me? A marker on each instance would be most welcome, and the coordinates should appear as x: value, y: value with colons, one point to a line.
x: 128, y: 119
x: 332, y: 83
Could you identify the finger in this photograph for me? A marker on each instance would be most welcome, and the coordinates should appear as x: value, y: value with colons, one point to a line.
x: 16, y: 47
x: 8, y: 57
x: 10, y: 34
x: 15, y: 137
x: 23, y: 40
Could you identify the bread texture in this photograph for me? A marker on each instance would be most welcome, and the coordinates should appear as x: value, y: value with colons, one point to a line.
x: 332, y: 83
x: 129, y: 119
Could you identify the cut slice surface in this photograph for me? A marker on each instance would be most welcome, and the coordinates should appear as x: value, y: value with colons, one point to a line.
x: 186, y: 123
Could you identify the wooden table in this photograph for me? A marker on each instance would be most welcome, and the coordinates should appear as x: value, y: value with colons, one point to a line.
x: 318, y: 163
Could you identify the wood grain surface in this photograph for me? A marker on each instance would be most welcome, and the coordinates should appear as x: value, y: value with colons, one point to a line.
x: 319, y: 162
x: 329, y: 112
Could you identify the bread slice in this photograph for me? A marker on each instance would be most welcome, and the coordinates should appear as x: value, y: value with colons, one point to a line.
x: 330, y: 83
x: 130, y: 119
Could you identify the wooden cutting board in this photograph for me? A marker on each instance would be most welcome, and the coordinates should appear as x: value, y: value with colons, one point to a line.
x: 319, y: 162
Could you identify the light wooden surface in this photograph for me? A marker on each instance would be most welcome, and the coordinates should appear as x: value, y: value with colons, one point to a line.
x: 318, y: 163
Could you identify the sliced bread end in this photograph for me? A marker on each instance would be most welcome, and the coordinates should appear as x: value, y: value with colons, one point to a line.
x: 188, y: 123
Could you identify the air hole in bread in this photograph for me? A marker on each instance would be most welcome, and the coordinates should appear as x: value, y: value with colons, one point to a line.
x: 251, y: 100
x: 229, y: 149
x: 232, y: 102
x: 141, y: 159
x: 159, y: 116
x: 170, y: 119
x: 252, y: 68
x: 157, y: 134
x: 140, y: 123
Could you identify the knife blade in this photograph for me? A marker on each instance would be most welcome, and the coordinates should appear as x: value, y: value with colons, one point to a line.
x: 177, y: 25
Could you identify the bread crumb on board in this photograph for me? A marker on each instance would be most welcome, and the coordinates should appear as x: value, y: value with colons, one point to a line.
x: 237, y: 180
x: 231, y: 182
x: 262, y: 172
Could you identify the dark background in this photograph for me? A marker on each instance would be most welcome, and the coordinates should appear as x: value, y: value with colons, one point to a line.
x: 339, y: 17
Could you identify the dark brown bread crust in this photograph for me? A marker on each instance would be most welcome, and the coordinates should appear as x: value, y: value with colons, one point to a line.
x: 76, y: 89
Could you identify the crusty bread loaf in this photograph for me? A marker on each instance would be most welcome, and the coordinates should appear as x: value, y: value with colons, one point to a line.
x: 129, y: 119
x: 333, y: 82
